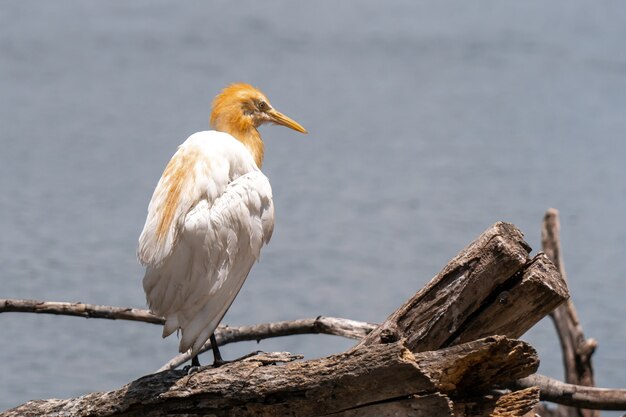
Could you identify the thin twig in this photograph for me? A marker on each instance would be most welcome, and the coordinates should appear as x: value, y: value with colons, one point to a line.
x: 78, y: 309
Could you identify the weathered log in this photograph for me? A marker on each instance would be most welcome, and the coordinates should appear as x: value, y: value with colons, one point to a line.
x: 518, y: 305
x: 576, y: 349
x: 491, y: 287
x: 478, y: 365
x: 352, y: 383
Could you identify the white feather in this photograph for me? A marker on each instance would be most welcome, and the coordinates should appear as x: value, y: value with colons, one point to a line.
x: 198, y: 256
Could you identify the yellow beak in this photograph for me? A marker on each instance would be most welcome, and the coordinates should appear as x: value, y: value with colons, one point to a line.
x: 280, y: 119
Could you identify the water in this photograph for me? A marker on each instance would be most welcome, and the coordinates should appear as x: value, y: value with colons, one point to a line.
x: 428, y: 123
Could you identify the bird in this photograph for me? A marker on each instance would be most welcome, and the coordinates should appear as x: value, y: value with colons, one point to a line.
x: 209, y: 216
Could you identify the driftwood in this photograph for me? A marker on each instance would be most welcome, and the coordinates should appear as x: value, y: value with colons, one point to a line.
x: 551, y: 389
x: 353, y: 383
x: 437, y: 355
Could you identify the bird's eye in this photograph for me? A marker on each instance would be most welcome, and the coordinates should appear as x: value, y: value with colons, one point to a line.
x: 263, y: 106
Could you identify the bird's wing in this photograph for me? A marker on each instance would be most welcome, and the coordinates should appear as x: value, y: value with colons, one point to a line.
x: 201, y: 168
x: 204, y: 255
x: 177, y: 191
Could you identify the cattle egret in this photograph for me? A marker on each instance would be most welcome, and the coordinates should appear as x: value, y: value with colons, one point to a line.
x: 209, y: 216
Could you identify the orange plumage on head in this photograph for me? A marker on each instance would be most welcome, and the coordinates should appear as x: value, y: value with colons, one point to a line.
x: 240, y: 109
x: 231, y: 113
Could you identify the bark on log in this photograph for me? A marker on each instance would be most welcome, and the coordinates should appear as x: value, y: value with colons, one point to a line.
x: 524, y: 300
x: 431, y: 405
x: 518, y: 403
x: 353, y: 383
x: 478, y: 365
x: 491, y: 287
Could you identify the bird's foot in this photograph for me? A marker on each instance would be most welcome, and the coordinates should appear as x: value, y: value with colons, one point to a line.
x: 191, y: 369
x: 217, y: 363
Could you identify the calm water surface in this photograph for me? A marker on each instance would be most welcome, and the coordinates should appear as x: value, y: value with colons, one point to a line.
x: 428, y: 123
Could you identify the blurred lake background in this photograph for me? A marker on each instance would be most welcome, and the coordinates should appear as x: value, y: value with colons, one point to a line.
x: 428, y: 121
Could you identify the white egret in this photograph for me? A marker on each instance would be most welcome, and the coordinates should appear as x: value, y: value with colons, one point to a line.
x: 209, y: 216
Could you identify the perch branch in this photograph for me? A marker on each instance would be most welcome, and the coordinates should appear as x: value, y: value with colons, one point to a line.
x: 224, y: 335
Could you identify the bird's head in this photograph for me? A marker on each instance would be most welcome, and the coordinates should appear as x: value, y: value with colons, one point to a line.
x: 239, y: 108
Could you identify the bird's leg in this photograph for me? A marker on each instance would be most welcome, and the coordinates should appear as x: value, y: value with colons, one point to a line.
x: 217, y: 356
x: 194, y: 367
x: 217, y: 359
x: 195, y: 361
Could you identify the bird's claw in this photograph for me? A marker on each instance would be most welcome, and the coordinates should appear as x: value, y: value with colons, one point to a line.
x: 218, y: 363
x: 191, y: 369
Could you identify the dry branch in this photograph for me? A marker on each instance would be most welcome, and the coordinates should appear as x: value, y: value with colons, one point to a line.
x: 78, y: 309
x: 575, y: 395
x: 326, y: 325
x: 577, y: 350
x: 224, y: 335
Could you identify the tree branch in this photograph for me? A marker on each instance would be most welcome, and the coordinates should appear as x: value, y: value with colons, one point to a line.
x: 574, y: 395
x: 78, y: 309
x: 224, y: 335
x: 576, y: 349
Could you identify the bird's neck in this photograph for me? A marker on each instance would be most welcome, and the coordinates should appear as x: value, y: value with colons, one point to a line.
x: 252, y: 140
x: 248, y: 135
